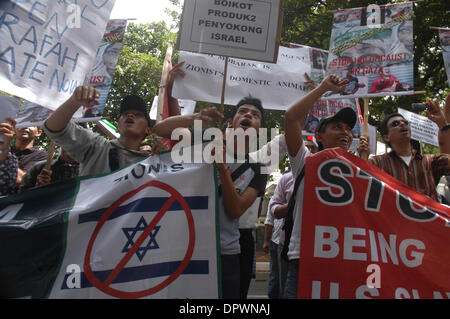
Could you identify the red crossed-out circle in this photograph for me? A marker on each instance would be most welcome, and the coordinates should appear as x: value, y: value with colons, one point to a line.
x: 105, y: 286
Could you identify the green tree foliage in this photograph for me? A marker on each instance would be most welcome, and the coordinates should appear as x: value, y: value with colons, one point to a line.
x: 140, y: 65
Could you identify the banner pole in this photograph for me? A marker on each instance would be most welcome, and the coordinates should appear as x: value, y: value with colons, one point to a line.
x: 163, y: 83
x: 365, y: 155
x: 224, y: 84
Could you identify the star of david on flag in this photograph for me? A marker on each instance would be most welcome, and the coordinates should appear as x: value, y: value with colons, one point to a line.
x: 130, y: 233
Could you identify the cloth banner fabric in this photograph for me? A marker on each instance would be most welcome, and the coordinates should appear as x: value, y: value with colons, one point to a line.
x: 134, y: 233
x: 374, y: 51
x: 367, y: 235
x: 48, y: 47
x: 100, y: 77
x: 32, y: 114
x: 10, y: 106
x: 278, y: 85
x: 444, y: 38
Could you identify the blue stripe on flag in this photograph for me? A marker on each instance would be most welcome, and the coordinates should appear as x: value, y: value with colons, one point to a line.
x: 152, y: 204
x: 195, y: 267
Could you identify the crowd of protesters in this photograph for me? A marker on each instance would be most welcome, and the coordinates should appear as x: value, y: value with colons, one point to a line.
x: 24, y: 166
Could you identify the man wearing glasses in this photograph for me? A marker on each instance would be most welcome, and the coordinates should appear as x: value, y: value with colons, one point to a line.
x: 421, y: 172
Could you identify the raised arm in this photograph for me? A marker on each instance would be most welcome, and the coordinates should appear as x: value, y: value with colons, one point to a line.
x: 296, y: 114
x: 6, y: 134
x: 82, y: 96
x: 174, y: 107
x: 442, y: 119
x: 170, y: 124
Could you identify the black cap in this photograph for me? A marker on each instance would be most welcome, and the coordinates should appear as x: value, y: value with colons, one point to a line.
x: 346, y: 115
x: 134, y: 102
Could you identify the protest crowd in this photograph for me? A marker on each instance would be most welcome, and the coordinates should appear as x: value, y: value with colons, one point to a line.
x: 26, y: 167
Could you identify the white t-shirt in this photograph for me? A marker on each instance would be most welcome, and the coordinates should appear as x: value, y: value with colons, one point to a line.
x: 249, y: 220
x: 297, y: 164
x: 406, y: 159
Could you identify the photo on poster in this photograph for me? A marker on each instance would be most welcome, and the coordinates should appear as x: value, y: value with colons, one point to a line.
x: 377, y: 59
x: 102, y: 72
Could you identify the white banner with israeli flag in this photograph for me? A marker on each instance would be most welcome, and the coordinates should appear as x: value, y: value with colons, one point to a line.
x: 135, y: 233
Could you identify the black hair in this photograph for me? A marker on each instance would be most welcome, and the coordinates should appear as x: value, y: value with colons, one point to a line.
x: 250, y: 100
x: 383, y: 126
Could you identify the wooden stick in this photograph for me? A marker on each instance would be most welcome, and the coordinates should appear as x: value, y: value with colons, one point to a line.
x: 365, y: 155
x: 51, y: 151
x: 224, y: 85
x: 439, y: 28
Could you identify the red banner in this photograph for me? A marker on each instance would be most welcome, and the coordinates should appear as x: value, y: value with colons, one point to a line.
x: 367, y: 235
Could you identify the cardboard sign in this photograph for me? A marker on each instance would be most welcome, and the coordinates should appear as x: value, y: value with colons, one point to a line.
x: 240, y: 29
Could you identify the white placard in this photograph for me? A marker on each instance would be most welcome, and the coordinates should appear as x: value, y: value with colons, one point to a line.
x: 422, y: 129
x: 242, y: 29
x: 276, y: 85
x: 186, y: 107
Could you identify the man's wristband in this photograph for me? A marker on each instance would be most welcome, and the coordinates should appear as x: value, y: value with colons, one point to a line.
x: 6, y: 151
x: 445, y: 128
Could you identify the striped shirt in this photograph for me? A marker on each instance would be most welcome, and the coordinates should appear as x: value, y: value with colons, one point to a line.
x: 423, y: 173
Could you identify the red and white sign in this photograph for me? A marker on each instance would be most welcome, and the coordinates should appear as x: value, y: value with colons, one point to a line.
x: 361, y: 224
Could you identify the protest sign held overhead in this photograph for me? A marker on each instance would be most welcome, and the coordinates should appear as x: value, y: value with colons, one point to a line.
x: 47, y: 48
x: 327, y: 108
x: 373, y: 48
x: 422, y: 129
x: 102, y: 72
x: 134, y: 233
x: 234, y: 28
x: 100, y: 77
x: 358, y: 218
x: 277, y: 85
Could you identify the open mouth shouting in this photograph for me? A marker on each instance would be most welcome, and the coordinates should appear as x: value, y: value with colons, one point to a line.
x: 129, y: 120
x: 404, y: 131
x: 245, y: 124
x: 344, y: 141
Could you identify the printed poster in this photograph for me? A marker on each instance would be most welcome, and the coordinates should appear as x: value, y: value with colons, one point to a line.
x: 373, y: 50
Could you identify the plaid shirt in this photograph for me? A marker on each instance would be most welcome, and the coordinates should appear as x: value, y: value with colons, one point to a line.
x: 423, y: 173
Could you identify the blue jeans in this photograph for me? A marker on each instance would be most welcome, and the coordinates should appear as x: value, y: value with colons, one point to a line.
x: 273, y: 289
x: 278, y: 271
x: 290, y: 290
x: 230, y: 266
